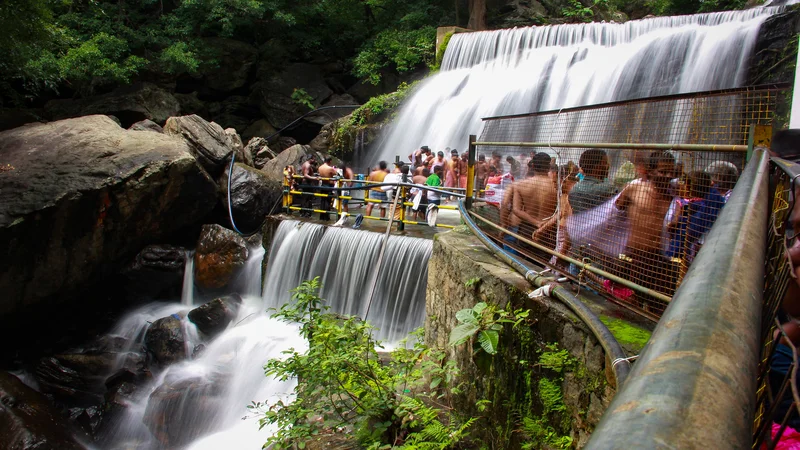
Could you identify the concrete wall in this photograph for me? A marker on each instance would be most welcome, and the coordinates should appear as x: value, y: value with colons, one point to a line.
x: 511, y: 379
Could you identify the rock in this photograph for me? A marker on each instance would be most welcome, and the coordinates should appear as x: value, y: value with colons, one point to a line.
x: 363, y: 90
x: 130, y: 104
x: 253, y: 195
x: 190, y: 104
x: 146, y: 125
x: 324, y: 140
x: 122, y: 391
x: 156, y: 273
x: 273, y: 95
x: 776, y: 35
x: 257, y: 147
x: 13, y: 117
x: 213, y: 317
x: 260, y: 128
x: 84, y: 196
x: 220, y: 252
x: 208, y: 141
x: 236, y: 63
x: 292, y: 156
x: 180, y: 411
x: 235, y: 112
x: 29, y: 422
x: 327, y: 116
x: 165, y: 341
x: 284, y: 142
x: 236, y: 142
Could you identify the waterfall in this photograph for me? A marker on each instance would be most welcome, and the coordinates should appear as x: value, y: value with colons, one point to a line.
x: 345, y: 260
x: 523, y: 70
x: 187, y: 294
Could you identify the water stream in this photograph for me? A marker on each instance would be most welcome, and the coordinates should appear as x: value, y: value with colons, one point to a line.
x: 523, y: 70
x: 200, y: 403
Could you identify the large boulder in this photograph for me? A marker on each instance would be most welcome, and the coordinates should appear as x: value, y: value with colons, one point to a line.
x: 156, y: 273
x: 146, y: 125
x: 259, y: 149
x: 82, y: 198
x: 129, y: 104
x: 273, y: 95
x: 236, y: 63
x: 235, y: 112
x: 220, y: 253
x: 29, y: 422
x: 292, y: 156
x: 238, y: 147
x: 213, y: 317
x: 181, y: 410
x: 260, y: 128
x: 207, y: 141
x: 252, y: 197
x: 165, y: 341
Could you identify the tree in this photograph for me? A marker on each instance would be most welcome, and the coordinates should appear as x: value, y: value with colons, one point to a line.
x: 477, y: 15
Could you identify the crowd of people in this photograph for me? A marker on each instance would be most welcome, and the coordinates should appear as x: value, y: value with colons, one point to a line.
x: 644, y: 225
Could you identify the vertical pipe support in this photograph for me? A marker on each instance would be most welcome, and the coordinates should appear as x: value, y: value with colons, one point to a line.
x: 401, y: 203
x: 751, y: 138
x: 338, y: 194
x: 471, y: 171
x: 286, y: 203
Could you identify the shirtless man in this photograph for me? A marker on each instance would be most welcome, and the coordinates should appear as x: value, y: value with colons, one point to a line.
x: 452, y: 170
x: 535, y: 198
x: 309, y: 181
x: 482, y: 173
x: 419, y: 213
x: 326, y: 173
x: 376, y: 193
x: 463, y: 165
x: 647, y: 203
x: 419, y: 156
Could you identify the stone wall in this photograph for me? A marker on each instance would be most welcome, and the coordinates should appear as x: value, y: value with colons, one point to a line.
x: 523, y: 389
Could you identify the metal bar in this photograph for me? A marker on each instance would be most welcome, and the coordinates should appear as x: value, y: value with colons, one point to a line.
x: 751, y: 136
x: 321, y: 211
x: 700, y: 366
x: 473, y: 150
x: 589, y: 267
x: 623, y: 146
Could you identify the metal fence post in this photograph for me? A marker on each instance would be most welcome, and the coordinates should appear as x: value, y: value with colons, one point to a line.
x: 471, y: 171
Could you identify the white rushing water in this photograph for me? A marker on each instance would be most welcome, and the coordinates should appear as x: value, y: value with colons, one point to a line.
x: 523, y: 70
x: 201, y: 403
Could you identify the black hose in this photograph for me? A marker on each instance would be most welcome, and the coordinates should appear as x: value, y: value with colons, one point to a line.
x: 306, y: 114
x: 616, y: 354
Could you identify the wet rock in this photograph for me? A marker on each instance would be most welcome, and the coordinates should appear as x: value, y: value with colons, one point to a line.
x: 29, y: 422
x: 146, y: 125
x: 180, y: 411
x: 130, y: 104
x: 258, y: 148
x: 122, y: 391
x: 155, y: 274
x: 207, y: 141
x: 84, y: 196
x: 260, y: 128
x: 238, y: 147
x: 252, y: 195
x: 165, y: 341
x: 77, y: 378
x: 213, y: 317
x: 88, y: 419
x: 220, y: 252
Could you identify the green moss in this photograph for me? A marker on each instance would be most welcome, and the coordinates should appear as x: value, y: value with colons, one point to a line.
x: 626, y: 333
x: 440, y: 51
x: 550, y: 395
x: 556, y: 360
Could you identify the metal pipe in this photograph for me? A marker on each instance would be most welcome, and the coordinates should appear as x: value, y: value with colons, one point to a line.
x: 473, y: 150
x: 624, y: 146
x: 627, y: 283
x: 694, y: 384
x: 599, y: 330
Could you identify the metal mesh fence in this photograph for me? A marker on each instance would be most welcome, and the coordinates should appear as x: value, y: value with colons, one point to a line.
x: 618, y: 196
x: 777, y: 396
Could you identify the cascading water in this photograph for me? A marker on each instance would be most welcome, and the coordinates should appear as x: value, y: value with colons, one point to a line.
x: 187, y: 294
x: 344, y: 259
x: 199, y: 403
x: 524, y: 70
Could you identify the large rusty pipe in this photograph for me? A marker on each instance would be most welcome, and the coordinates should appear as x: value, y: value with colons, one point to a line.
x: 694, y: 384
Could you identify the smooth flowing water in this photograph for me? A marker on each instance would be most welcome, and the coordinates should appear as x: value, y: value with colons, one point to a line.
x: 523, y: 70
x: 201, y: 402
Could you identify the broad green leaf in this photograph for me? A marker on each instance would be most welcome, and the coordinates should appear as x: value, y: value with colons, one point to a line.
x: 466, y: 316
x: 462, y: 333
x: 478, y: 308
x: 435, y: 382
x: 489, y: 340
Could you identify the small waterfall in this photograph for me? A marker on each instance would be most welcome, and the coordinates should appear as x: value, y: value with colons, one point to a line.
x: 344, y: 260
x: 521, y: 70
x: 187, y: 294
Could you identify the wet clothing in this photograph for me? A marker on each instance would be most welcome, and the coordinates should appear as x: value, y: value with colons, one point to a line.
x: 436, y: 182
x: 590, y: 193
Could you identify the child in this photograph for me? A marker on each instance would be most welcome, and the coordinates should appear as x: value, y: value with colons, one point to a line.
x: 691, y: 200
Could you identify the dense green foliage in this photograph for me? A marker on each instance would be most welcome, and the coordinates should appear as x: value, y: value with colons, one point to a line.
x: 344, y: 385
x: 81, y: 45
x: 484, y: 323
